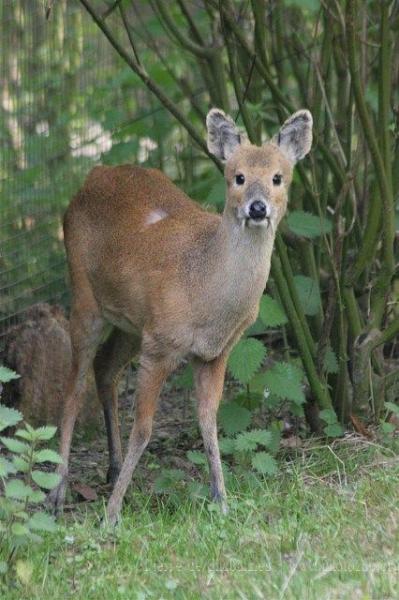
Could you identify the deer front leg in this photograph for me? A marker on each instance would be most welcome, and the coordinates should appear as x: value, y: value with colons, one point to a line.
x: 209, y: 380
x: 151, y: 375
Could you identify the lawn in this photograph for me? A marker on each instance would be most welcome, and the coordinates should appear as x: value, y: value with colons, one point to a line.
x: 325, y: 527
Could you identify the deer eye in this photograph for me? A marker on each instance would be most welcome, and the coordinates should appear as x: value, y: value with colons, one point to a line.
x: 277, y: 178
x: 240, y: 179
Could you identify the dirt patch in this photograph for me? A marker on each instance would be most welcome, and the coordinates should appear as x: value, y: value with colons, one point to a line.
x: 175, y: 431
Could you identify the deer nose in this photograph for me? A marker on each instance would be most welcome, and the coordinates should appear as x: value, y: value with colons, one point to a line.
x: 257, y: 210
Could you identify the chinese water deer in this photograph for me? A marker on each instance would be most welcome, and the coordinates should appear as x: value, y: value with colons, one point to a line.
x: 173, y: 280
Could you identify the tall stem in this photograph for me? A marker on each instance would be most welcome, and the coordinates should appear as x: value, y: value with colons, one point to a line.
x: 319, y: 389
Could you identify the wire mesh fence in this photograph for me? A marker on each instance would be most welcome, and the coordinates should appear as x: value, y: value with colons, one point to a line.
x: 66, y: 103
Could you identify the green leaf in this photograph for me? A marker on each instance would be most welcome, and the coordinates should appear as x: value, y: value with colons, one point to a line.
x: 227, y: 445
x: 392, y: 407
x: 297, y: 410
x: 167, y: 480
x: 330, y: 362
x: 45, y: 433
x: 308, y: 225
x: 249, y: 440
x: 197, y: 490
x: 334, y: 430
x: 264, y: 463
x: 37, y: 496
x: 196, y: 457
x: 41, y: 521
x: 251, y: 400
x: 14, y: 445
x: 9, y: 417
x: 245, y: 359
x: 19, y: 529
x: 275, y: 432
x: 6, y: 467
x: 329, y: 416
x: 309, y: 294
x: 17, y: 489
x: 261, y: 436
x: 21, y: 514
x: 271, y: 312
x: 44, y: 480
x: 233, y: 418
x: 285, y: 381
x: 245, y: 443
x: 21, y: 464
x: 25, y: 434
x: 387, y: 427
x: 36, y: 435
x: 7, y: 374
x: 47, y: 455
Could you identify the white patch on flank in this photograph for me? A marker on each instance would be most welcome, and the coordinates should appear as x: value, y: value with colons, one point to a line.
x: 154, y: 216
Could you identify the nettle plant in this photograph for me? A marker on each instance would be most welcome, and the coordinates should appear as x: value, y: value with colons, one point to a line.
x: 276, y: 388
x: 250, y: 420
x: 22, y: 481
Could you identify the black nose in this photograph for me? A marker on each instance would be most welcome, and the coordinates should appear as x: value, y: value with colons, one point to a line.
x: 257, y: 210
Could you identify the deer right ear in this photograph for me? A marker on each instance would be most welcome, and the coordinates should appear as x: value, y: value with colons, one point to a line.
x: 223, y: 135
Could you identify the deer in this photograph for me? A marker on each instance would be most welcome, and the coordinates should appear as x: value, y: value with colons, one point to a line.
x: 172, y: 281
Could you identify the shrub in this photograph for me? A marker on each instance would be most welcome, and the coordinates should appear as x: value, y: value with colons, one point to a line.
x: 21, y: 483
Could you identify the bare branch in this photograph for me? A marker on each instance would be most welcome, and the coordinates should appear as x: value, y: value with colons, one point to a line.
x: 151, y: 84
x: 185, y: 42
x: 111, y: 9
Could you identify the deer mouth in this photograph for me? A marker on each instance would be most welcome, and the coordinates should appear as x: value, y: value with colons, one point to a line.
x: 257, y: 222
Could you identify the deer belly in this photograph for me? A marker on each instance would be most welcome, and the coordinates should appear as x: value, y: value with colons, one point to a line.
x: 120, y: 321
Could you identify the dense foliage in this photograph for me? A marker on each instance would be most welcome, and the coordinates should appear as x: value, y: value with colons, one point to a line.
x: 333, y: 296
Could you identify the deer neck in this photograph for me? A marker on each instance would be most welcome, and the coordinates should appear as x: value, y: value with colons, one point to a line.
x: 240, y: 263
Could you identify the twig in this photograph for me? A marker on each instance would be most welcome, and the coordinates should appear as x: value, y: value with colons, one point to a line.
x: 129, y: 33
x: 244, y: 96
x: 111, y: 9
x: 150, y: 83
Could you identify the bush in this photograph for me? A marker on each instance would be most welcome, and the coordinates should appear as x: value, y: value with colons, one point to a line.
x: 21, y: 484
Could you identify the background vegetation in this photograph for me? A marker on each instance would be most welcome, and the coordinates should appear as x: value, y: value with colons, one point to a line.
x: 135, y: 84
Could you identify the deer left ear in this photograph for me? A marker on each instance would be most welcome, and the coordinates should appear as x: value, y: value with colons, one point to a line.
x: 295, y: 136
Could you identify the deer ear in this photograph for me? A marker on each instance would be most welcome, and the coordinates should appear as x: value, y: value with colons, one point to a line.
x: 295, y: 136
x: 223, y: 135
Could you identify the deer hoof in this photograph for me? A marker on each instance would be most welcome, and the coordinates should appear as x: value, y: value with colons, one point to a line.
x: 221, y: 500
x: 111, y: 520
x: 55, y: 499
x: 112, y: 475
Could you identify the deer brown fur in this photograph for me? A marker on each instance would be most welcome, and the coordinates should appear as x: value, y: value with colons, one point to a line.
x: 174, y: 281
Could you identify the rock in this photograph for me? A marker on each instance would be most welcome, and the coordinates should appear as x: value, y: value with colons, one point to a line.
x: 39, y: 350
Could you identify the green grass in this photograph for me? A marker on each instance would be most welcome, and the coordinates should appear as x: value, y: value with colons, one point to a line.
x: 325, y: 527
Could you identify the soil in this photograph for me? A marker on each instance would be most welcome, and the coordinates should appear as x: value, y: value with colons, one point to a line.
x: 175, y: 432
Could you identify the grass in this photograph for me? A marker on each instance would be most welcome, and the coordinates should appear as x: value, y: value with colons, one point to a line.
x: 325, y: 527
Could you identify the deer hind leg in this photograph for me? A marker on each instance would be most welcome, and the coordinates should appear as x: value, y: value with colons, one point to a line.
x: 151, y: 376
x: 209, y: 380
x: 86, y: 328
x: 109, y: 364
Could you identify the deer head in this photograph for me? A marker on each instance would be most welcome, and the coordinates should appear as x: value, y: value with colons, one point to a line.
x: 258, y: 177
